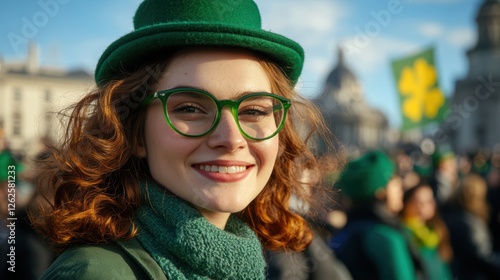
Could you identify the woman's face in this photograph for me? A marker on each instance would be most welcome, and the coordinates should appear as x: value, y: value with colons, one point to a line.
x: 394, y: 195
x: 426, y: 204
x: 178, y: 162
x: 422, y: 204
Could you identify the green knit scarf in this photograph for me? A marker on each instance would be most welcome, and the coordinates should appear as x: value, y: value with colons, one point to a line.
x: 187, y: 246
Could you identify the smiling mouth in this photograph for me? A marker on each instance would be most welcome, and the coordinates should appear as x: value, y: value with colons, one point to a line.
x: 222, y: 169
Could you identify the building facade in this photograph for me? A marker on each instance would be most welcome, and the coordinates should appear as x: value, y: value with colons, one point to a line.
x: 357, y: 126
x: 472, y: 125
x: 30, y: 97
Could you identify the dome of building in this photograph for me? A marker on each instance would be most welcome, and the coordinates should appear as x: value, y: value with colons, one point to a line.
x: 354, y: 123
x: 488, y: 24
x: 341, y: 84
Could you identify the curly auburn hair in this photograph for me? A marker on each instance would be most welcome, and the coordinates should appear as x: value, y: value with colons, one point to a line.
x: 90, y: 181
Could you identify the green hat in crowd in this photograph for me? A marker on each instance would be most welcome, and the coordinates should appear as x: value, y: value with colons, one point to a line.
x: 163, y: 26
x: 6, y: 160
x: 441, y: 155
x: 364, y: 176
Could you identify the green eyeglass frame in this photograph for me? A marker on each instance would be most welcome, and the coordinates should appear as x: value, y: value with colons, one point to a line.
x: 284, y: 103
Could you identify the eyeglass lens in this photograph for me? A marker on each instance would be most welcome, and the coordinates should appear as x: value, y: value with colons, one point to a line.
x: 194, y: 113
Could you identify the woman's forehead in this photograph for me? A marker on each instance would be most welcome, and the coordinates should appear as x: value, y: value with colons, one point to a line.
x: 216, y: 70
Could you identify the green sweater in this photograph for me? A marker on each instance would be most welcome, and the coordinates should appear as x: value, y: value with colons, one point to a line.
x: 388, y: 249
x: 373, y: 246
x: 124, y: 260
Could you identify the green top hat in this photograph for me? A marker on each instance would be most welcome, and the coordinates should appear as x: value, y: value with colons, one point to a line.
x: 162, y: 26
x: 364, y: 176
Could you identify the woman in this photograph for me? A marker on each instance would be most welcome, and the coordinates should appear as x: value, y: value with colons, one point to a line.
x: 466, y: 216
x: 182, y: 161
x: 426, y: 231
x: 372, y: 244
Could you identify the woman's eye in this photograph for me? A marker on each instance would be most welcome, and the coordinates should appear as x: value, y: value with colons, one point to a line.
x: 254, y: 112
x: 187, y: 109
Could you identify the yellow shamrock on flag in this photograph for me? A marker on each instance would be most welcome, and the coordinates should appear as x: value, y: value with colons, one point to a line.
x: 418, y: 85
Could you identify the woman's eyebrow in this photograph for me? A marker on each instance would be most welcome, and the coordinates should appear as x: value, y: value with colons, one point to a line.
x: 250, y: 92
x: 238, y: 95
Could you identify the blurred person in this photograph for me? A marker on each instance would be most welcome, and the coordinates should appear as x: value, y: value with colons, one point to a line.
x: 464, y: 166
x: 444, y: 177
x: 426, y: 231
x: 181, y: 163
x: 493, y: 180
x: 481, y: 163
x: 317, y: 261
x: 493, y: 196
x: 405, y: 169
x: 32, y: 254
x: 466, y: 215
x: 372, y: 244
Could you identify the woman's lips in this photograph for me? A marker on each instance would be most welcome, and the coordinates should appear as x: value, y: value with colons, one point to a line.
x: 224, y: 172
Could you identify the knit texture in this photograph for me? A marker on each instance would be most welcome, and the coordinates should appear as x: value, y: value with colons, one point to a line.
x: 187, y: 246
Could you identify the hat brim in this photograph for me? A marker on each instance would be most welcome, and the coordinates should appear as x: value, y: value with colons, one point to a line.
x: 130, y: 51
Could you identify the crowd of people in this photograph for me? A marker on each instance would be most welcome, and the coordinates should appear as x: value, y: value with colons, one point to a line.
x: 416, y: 216
x: 408, y: 216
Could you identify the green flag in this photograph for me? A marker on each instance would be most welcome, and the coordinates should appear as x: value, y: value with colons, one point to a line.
x: 422, y: 101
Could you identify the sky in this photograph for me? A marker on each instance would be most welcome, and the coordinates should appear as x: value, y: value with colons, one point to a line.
x: 73, y: 34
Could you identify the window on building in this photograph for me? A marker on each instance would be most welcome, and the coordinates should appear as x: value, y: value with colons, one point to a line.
x: 16, y: 123
x: 18, y: 96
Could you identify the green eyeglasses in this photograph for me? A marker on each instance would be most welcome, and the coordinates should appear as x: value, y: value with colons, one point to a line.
x: 194, y: 112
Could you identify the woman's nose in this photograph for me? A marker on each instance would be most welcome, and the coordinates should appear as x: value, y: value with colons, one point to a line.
x: 227, y: 134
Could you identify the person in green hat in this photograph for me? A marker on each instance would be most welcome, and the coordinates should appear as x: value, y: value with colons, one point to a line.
x: 182, y: 161
x: 444, y: 178
x: 372, y: 244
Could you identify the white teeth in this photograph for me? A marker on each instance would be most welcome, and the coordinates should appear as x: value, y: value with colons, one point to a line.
x: 222, y: 169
